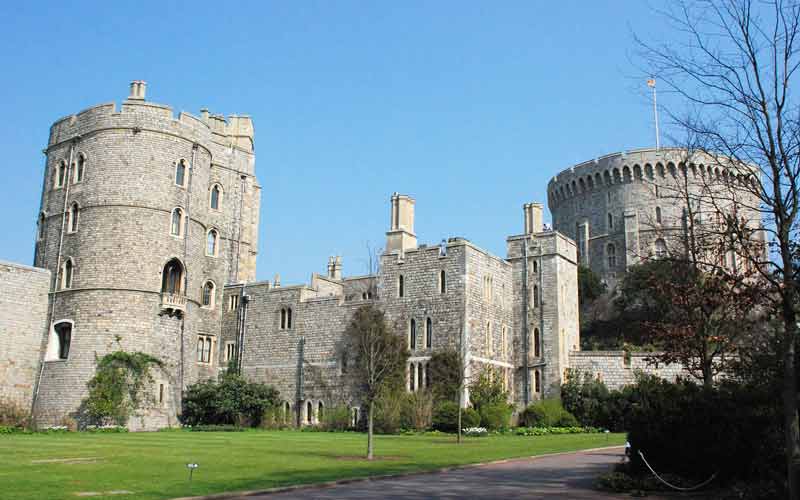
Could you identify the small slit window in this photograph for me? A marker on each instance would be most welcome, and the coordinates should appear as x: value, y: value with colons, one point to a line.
x: 428, y: 333
x: 66, y: 274
x: 537, y: 342
x: 72, y: 218
x: 60, y: 174
x: 442, y: 282
x: 80, y: 168
x: 180, y: 173
x: 212, y: 243
x: 215, y: 197
x: 658, y: 215
x: 401, y: 286
x: 176, y: 225
x: 208, y: 294
x: 412, y: 334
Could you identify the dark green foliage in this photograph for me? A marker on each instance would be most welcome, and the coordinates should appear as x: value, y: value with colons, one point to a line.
x: 445, y: 371
x: 336, y: 418
x: 730, y: 429
x: 495, y: 416
x: 590, y: 401
x: 487, y: 390
x: 389, y: 410
x: 589, y: 285
x: 116, y: 389
x: 547, y: 413
x: 231, y: 400
x: 445, y: 417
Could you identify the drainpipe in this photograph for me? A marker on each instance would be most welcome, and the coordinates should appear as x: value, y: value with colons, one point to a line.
x: 244, y: 300
x: 57, y: 274
x: 525, y: 335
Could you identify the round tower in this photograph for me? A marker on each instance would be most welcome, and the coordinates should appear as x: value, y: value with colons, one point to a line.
x: 144, y: 217
x: 620, y: 208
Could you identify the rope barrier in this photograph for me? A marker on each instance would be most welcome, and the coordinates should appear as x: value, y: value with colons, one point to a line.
x: 697, y: 487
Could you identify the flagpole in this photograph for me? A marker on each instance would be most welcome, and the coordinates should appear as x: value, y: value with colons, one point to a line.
x: 652, y: 83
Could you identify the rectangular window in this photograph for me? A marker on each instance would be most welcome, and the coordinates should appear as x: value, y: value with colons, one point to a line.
x: 160, y: 393
x: 230, y: 351
x: 204, y: 344
x: 233, y: 302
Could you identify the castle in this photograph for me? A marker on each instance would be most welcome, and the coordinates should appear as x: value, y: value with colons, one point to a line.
x: 147, y: 241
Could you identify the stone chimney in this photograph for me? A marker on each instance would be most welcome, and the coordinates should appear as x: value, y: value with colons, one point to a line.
x: 138, y: 89
x: 337, y: 268
x: 277, y: 282
x: 533, y: 217
x: 400, y: 236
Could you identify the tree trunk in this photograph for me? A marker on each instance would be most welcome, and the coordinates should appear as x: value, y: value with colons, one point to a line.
x: 458, y: 439
x: 369, y: 430
x: 790, y: 421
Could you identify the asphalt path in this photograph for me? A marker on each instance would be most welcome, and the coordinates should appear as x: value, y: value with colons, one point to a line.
x: 562, y: 476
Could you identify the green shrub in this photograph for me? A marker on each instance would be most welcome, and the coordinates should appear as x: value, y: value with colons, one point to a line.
x: 547, y: 413
x: 417, y: 410
x: 693, y: 431
x: 389, y: 410
x: 336, y: 418
x: 470, y: 418
x: 230, y: 400
x: 495, y: 416
x: 14, y: 415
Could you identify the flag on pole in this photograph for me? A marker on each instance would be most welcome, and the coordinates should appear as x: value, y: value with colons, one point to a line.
x: 651, y: 82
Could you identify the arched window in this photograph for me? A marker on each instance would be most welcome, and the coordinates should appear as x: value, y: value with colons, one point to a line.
x: 535, y: 267
x: 287, y: 412
x: 204, y: 343
x: 611, y: 254
x: 428, y: 333
x: 208, y: 294
x: 610, y: 222
x: 537, y: 343
x: 176, y: 227
x: 320, y: 411
x: 442, y: 281
x: 537, y: 381
x: 400, y: 286
x: 172, y: 277
x: 660, y: 169
x: 72, y: 218
x: 80, y: 168
x: 412, y: 334
x: 216, y: 197
x: 40, y: 227
x: 420, y: 376
x: 309, y: 412
x: 66, y: 274
x: 283, y: 319
x: 648, y: 171
x: 180, y: 173
x: 535, y: 295
x: 212, y: 243
x: 60, y: 340
x: 412, y: 373
x: 661, y: 248
x: 658, y: 215
x: 61, y: 174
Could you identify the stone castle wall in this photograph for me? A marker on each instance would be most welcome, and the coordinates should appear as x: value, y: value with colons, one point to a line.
x: 23, y: 320
x: 630, y: 200
x: 125, y: 199
x: 617, y: 369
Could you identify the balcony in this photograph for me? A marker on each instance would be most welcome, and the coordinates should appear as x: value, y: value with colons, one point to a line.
x: 173, y: 303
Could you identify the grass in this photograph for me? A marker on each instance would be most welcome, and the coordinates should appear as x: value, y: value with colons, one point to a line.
x: 153, y: 465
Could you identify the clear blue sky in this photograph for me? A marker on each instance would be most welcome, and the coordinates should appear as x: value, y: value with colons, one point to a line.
x: 470, y: 107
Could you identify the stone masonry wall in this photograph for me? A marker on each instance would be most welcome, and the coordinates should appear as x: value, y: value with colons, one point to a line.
x: 23, y: 320
x: 612, y: 368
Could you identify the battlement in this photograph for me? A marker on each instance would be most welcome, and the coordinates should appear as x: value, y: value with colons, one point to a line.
x: 138, y: 114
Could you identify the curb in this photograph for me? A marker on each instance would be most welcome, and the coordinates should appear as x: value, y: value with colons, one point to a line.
x: 381, y: 477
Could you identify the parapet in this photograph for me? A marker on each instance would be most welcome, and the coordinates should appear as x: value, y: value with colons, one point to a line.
x: 137, y: 113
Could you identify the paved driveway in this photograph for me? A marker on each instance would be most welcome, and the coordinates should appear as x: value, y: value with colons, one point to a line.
x: 565, y: 476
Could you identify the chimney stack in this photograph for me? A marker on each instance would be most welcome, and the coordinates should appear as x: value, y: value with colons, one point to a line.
x: 533, y: 217
x: 138, y: 89
x: 337, y: 268
x: 400, y: 236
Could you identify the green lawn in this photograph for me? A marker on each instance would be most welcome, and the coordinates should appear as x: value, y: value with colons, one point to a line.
x: 153, y: 465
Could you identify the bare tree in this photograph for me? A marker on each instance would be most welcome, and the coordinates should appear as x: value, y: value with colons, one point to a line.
x: 380, y: 358
x: 733, y: 67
